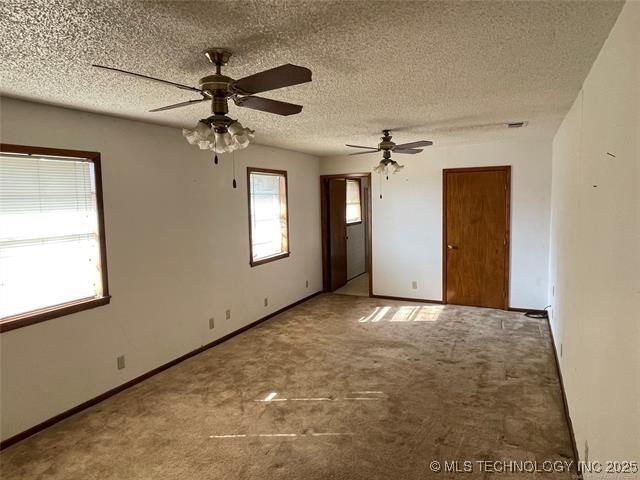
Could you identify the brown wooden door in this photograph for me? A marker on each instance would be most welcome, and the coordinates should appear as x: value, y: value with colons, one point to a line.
x: 338, y: 232
x: 476, y: 236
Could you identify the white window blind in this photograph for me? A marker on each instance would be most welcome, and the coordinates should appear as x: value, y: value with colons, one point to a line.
x: 268, y: 210
x: 354, y: 208
x: 49, y: 240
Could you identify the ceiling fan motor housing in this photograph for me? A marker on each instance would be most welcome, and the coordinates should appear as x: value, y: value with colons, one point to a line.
x: 218, y: 86
x: 386, y: 144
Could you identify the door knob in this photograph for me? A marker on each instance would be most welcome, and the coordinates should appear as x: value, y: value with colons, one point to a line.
x: 452, y: 247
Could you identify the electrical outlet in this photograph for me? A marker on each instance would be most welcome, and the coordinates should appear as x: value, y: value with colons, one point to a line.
x: 266, y: 302
x: 120, y: 362
x: 307, y: 284
x: 414, y: 284
x: 228, y: 314
x: 212, y: 323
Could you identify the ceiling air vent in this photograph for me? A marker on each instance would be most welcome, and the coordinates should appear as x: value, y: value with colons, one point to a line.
x: 516, y: 124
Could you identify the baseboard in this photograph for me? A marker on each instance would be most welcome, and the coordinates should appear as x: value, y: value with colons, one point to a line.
x: 407, y: 299
x: 525, y: 310
x: 90, y: 403
x: 440, y: 302
x: 567, y: 416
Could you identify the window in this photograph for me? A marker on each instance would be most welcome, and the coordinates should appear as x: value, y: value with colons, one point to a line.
x: 52, y: 248
x: 354, y: 207
x: 268, y: 219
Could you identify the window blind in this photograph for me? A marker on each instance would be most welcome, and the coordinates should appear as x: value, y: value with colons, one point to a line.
x: 49, y: 241
x: 268, y: 215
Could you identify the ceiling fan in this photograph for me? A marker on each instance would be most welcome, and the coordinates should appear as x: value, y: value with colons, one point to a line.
x: 386, y: 146
x: 218, y: 132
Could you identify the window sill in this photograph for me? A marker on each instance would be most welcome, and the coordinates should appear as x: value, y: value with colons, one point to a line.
x: 262, y: 261
x: 354, y: 223
x: 44, y: 314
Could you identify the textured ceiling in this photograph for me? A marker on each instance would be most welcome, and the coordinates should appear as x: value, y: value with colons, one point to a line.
x: 447, y: 71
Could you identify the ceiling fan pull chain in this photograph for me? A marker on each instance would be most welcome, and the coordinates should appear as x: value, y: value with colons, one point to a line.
x: 380, y: 187
x: 235, y: 184
x: 215, y: 146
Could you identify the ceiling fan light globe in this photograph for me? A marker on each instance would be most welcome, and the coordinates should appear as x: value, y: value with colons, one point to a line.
x: 235, y: 128
x: 219, y: 140
x: 192, y: 136
x: 202, y: 128
x: 240, y: 142
x: 189, y: 135
x: 200, y: 133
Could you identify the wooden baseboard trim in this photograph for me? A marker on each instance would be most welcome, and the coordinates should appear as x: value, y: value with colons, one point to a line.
x: 407, y: 299
x: 525, y: 310
x: 565, y: 403
x: 440, y: 302
x: 90, y: 403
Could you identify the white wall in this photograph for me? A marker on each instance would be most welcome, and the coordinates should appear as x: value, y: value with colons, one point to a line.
x: 356, y: 240
x: 595, y: 254
x: 407, y: 222
x: 178, y: 253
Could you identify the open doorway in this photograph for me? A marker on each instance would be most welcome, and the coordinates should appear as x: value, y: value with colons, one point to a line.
x: 346, y: 233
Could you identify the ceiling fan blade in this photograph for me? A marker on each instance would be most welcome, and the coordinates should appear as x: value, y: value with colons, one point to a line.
x: 279, y: 77
x: 153, y: 79
x: 360, y: 146
x: 178, y: 105
x: 362, y: 153
x: 412, y: 151
x: 268, y: 105
x: 419, y: 143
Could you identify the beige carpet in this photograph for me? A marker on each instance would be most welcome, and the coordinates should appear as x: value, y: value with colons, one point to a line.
x: 340, y: 387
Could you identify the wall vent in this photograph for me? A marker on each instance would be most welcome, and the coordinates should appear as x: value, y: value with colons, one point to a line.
x: 516, y: 124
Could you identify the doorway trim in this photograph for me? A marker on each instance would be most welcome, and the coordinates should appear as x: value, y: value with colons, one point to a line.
x: 324, y: 220
x: 502, y: 168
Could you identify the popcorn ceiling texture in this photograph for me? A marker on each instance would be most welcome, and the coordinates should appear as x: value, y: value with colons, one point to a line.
x: 451, y: 72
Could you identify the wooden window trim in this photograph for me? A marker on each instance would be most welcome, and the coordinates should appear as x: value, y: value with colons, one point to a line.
x: 358, y: 181
x: 67, y: 308
x: 273, y: 258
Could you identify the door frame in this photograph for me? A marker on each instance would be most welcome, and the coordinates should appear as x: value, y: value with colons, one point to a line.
x: 324, y: 219
x: 507, y: 269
